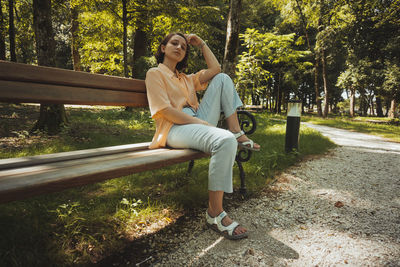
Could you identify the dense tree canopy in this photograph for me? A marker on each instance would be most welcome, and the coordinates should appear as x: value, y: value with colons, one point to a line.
x: 305, y: 49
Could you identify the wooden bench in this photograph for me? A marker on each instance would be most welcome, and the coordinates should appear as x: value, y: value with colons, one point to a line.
x: 28, y: 176
x: 254, y: 108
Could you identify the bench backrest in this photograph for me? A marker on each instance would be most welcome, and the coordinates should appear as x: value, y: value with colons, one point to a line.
x: 22, y: 83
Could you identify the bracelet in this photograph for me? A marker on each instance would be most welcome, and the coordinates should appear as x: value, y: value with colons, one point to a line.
x: 202, y: 44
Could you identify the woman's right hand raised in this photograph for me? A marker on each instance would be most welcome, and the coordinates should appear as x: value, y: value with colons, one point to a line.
x: 193, y: 39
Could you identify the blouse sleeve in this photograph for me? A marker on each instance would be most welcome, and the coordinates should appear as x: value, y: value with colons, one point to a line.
x: 156, y: 93
x: 196, y: 82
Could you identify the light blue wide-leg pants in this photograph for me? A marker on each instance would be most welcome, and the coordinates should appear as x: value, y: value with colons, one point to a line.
x: 220, y: 96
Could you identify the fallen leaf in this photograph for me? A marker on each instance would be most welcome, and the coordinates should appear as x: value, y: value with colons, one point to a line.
x: 339, y: 204
x: 251, y: 251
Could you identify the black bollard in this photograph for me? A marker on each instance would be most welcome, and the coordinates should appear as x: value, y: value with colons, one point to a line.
x: 293, y: 125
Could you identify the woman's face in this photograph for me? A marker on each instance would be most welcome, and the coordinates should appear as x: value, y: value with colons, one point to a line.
x: 175, y: 49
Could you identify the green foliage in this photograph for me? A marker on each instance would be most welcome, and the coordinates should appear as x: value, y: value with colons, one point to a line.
x: 356, y: 77
x: 391, y: 85
x: 367, y: 31
x: 143, y: 64
x: 24, y: 33
x: 267, y: 55
x: 128, y: 208
x: 69, y: 218
x: 101, y: 43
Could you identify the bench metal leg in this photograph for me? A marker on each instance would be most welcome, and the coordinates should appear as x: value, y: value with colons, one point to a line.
x: 242, y: 189
x: 243, y: 155
x: 190, y: 167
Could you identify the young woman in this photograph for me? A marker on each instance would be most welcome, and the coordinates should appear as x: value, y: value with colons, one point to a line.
x: 181, y: 122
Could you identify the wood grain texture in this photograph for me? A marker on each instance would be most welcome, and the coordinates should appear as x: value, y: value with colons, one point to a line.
x: 24, y: 92
x: 71, y: 155
x: 20, y: 183
x: 11, y: 71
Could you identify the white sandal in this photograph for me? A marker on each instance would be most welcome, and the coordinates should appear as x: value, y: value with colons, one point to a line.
x: 215, y: 223
x: 246, y: 144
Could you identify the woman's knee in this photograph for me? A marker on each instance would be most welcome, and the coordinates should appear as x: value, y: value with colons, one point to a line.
x: 223, y: 77
x: 228, y: 143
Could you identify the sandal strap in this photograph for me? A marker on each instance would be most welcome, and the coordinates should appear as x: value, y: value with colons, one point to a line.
x: 230, y: 228
x: 221, y: 216
x: 210, y: 220
x: 238, y: 134
x: 249, y: 142
x: 217, y: 219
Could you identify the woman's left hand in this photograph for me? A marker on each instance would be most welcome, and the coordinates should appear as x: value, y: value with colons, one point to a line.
x: 193, y: 39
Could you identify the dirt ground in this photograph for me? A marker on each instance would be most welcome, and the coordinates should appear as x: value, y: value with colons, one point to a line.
x: 342, y: 209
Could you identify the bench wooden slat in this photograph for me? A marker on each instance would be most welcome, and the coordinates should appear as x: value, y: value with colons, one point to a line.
x: 12, y: 71
x: 71, y: 155
x: 25, y: 182
x: 12, y: 91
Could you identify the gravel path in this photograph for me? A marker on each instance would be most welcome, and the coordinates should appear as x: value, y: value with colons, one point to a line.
x: 341, y: 209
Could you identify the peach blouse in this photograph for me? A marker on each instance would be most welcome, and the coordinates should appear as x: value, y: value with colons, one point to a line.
x: 165, y: 89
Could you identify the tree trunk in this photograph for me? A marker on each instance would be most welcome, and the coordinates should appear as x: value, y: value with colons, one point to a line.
x: 316, y: 86
x: 392, y: 110
x: 326, y: 91
x: 140, y: 41
x: 278, y: 96
x: 52, y: 116
x: 362, y: 104
x: 44, y: 36
x: 352, y: 101
x: 232, y: 38
x: 51, y: 119
x: 371, y: 105
x: 387, y: 107
x: 304, y: 24
x: 139, y: 50
x: 125, y: 37
x: 76, y: 58
x: 11, y: 30
x: 316, y: 62
x: 379, y: 110
x: 2, y: 34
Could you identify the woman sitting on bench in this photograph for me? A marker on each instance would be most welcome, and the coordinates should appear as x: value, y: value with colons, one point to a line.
x: 181, y: 122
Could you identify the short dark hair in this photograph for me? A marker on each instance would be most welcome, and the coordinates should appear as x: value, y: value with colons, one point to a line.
x: 160, y: 55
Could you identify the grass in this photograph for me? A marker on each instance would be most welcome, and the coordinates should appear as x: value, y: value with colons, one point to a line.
x: 84, y: 225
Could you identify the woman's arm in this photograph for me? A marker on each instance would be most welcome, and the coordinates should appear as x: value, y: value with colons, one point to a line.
x: 212, y: 63
x: 159, y: 101
x: 178, y: 117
